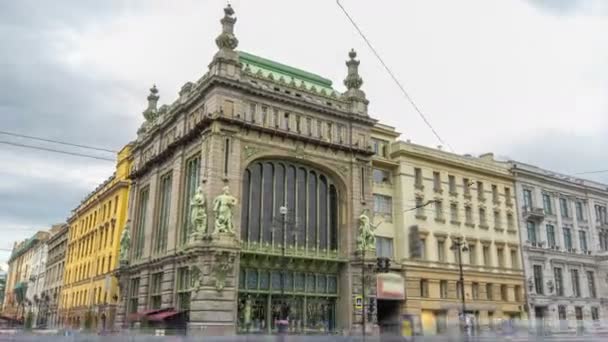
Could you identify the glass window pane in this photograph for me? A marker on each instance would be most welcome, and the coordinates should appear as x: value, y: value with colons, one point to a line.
x: 267, y: 196
x: 312, y: 210
x: 256, y: 192
x: 323, y: 213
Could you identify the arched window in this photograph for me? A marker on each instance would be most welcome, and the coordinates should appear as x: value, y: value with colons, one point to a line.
x: 311, y: 199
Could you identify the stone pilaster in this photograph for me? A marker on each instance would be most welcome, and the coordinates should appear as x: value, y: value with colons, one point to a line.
x: 214, y: 270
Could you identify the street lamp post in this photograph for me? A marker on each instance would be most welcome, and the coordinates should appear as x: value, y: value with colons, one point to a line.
x: 460, y: 246
x: 282, y: 324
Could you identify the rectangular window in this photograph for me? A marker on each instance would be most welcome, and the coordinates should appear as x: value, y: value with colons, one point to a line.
x: 504, y: 293
x: 438, y: 210
x: 563, y: 206
x: 510, y: 222
x: 495, y: 196
x: 517, y: 291
x: 468, y: 214
x: 475, y: 290
x: 133, y: 295
x: 309, y: 126
x: 580, y: 213
x: 226, y: 156
x: 497, y: 219
x: 424, y: 288
x: 600, y: 214
x: 567, y: 238
x: 591, y: 284
x: 482, y: 217
x: 155, y: 290
x: 441, y: 251
x: 595, y: 313
x: 489, y: 292
x: 191, y: 184
x: 528, y: 199
x: 162, y: 230
x: 559, y: 281
x: 340, y: 134
x: 452, y: 184
x: 384, y: 247
x: 142, y: 208
x: 436, y: 181
x: 466, y: 186
x: 500, y: 255
x: 298, y: 127
x: 576, y: 289
x: 538, y: 279
x: 183, y: 288
x: 486, y: 256
x: 275, y: 117
x: 531, y: 226
x: 582, y: 239
x: 472, y: 255
x: 508, y: 195
x: 547, y: 204
x: 380, y: 147
x: 330, y: 132
x: 443, y: 289
x: 252, y: 112
x: 382, y: 176
x: 454, y: 212
x: 286, y: 121
x: 550, y: 235
x: 561, y: 312
x: 264, y: 116
x: 514, y: 259
x: 418, y: 177
x: 480, y: 191
x: 383, y: 205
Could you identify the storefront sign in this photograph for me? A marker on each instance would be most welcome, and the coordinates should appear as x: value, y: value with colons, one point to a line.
x: 390, y: 286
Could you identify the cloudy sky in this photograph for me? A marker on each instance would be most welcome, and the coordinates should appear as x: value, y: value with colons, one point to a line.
x: 527, y: 80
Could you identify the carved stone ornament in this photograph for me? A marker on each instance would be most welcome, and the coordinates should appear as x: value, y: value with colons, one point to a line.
x: 125, y: 243
x: 227, y: 39
x: 550, y: 286
x: 250, y: 151
x: 366, y: 241
x: 222, y: 266
x: 353, y: 80
x: 198, y: 215
x: 343, y: 169
x: 196, y: 280
x: 223, y: 207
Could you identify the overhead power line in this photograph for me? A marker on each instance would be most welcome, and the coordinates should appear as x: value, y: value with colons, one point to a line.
x: 57, y: 142
x: 55, y: 151
x: 590, y: 172
x: 405, y: 93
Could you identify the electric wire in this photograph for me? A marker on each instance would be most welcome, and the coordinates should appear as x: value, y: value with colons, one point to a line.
x: 388, y: 70
x: 58, y: 142
x: 55, y: 151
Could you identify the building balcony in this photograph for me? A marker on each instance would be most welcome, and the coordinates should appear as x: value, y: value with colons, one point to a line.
x: 532, y: 213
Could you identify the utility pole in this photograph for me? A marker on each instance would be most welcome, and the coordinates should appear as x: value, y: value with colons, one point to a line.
x: 460, y: 246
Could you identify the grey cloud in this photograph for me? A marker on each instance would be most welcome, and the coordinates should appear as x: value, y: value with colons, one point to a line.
x: 571, y: 7
x: 562, y: 152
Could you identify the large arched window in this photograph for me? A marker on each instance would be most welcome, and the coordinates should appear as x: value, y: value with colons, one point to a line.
x: 311, y: 199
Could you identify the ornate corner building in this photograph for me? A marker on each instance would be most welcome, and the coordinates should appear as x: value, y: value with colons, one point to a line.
x: 89, y: 292
x: 245, y: 197
x: 565, y: 244
x: 439, y: 211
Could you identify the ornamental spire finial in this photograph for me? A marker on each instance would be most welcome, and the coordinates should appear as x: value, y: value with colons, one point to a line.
x: 150, y: 112
x: 227, y: 39
x: 353, y: 80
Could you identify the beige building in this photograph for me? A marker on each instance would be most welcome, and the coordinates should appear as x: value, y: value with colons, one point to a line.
x: 53, y: 280
x: 450, y: 198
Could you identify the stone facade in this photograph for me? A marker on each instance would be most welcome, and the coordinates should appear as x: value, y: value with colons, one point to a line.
x: 248, y: 112
x: 563, y: 222
x: 20, y: 270
x: 89, y: 294
x: 53, y: 280
x: 451, y: 199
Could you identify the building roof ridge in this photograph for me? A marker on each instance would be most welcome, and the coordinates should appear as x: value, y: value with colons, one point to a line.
x: 283, y: 68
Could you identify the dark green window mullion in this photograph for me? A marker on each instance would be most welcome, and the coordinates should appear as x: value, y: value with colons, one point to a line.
x: 261, y: 216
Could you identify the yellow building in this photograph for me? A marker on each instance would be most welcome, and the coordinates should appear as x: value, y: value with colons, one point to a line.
x: 90, y: 291
x: 453, y: 200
